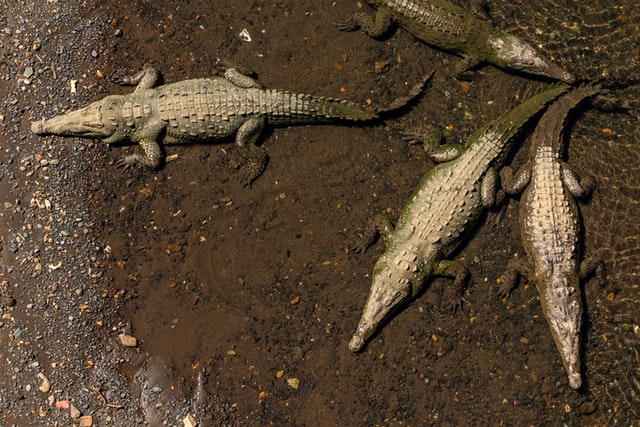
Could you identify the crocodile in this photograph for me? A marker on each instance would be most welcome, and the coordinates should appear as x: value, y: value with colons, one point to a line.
x: 200, y: 110
x: 447, y: 26
x: 550, y: 230
x: 442, y: 210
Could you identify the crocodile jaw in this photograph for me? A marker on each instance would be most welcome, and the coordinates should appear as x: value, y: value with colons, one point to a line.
x: 87, y: 122
x: 521, y: 56
x: 385, y: 295
x: 560, y: 302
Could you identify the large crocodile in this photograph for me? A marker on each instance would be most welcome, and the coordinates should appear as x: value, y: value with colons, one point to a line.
x: 550, y: 228
x: 449, y: 27
x: 201, y: 110
x: 442, y: 210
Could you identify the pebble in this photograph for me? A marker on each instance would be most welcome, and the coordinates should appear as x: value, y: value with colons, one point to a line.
x: 189, y: 421
x: 294, y: 383
x: 45, y: 386
x: 28, y: 72
x: 74, y: 412
x: 128, y: 340
x: 86, y: 421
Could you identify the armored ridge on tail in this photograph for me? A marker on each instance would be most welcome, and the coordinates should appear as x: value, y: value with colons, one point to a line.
x: 201, y: 110
x: 449, y: 27
x: 442, y: 210
x: 550, y: 228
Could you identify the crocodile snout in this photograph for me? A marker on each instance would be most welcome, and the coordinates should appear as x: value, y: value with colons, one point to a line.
x: 37, y: 127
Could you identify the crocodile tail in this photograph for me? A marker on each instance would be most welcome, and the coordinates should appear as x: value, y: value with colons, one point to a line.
x: 353, y: 111
x: 511, y: 122
x: 312, y: 109
x: 404, y: 100
x: 558, y: 111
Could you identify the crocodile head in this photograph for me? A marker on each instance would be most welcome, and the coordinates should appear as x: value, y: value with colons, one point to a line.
x: 386, y: 294
x: 560, y: 303
x: 92, y: 121
x: 519, y: 55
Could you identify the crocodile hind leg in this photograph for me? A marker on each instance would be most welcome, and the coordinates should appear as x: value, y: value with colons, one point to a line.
x: 375, y: 28
x: 256, y: 157
x: 432, y: 144
x: 238, y: 75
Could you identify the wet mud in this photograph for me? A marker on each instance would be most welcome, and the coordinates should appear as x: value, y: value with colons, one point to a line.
x: 242, y: 300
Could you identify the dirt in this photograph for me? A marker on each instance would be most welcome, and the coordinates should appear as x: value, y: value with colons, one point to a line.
x: 242, y: 300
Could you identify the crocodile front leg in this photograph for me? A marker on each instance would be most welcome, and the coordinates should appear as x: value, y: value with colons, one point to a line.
x: 516, y: 267
x: 379, y: 225
x: 146, y: 79
x: 147, y: 137
x: 453, y: 297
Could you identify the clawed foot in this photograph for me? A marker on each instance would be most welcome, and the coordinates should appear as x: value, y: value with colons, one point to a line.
x: 504, y: 288
x: 454, y: 295
x: 123, y: 80
x: 455, y: 304
x: 129, y: 161
x: 360, y: 244
x: 250, y: 172
x: 347, y: 25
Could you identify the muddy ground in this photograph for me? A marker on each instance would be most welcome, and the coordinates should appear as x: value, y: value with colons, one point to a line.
x: 242, y: 300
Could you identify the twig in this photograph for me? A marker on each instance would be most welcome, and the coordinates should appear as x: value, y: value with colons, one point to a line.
x: 104, y: 400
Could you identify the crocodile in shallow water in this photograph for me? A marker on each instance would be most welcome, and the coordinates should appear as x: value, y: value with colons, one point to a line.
x: 442, y: 210
x: 449, y: 27
x: 201, y: 110
x: 550, y: 230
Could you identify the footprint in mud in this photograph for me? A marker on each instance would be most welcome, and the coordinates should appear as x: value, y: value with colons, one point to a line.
x: 166, y: 398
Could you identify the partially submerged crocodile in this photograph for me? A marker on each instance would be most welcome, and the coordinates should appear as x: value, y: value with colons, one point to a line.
x: 201, y: 110
x: 550, y: 228
x: 442, y: 210
x: 449, y: 27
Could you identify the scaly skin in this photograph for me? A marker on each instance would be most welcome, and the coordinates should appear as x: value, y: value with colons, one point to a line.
x: 550, y: 228
x: 449, y: 27
x: 442, y: 210
x: 199, y: 110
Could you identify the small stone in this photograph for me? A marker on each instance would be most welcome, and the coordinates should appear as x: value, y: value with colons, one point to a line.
x: 294, y: 383
x: 94, y: 53
x: 118, y: 32
x: 189, y: 421
x: 381, y: 67
x: 74, y: 412
x: 45, y: 386
x: 128, y: 340
x: 298, y: 352
x: 86, y: 421
x: 587, y: 408
x: 28, y: 72
x: 62, y: 404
